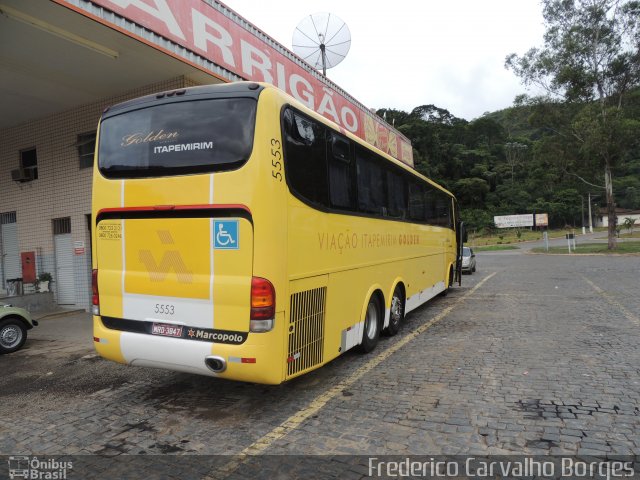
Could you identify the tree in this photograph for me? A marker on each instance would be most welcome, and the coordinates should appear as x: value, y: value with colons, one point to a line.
x: 514, y: 152
x: 471, y: 191
x: 629, y: 223
x: 591, y: 56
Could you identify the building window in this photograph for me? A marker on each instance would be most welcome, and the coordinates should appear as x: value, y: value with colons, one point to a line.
x: 86, y: 146
x: 29, y: 163
x: 8, y: 217
x: 61, y: 225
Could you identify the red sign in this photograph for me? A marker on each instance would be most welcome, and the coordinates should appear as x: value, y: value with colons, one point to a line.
x: 204, y: 30
x: 78, y: 248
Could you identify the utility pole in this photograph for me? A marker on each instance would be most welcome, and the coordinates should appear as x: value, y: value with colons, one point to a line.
x: 582, y: 202
x: 590, y: 217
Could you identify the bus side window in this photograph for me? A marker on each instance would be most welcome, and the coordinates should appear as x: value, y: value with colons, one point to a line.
x: 443, y: 207
x: 452, y: 221
x: 305, y: 157
x: 341, y: 185
x: 396, y: 195
x: 371, y: 184
x: 437, y: 208
x: 416, y: 202
x: 430, y: 214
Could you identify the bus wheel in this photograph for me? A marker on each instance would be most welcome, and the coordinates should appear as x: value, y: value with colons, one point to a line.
x: 449, y: 282
x: 396, y: 315
x: 371, y: 332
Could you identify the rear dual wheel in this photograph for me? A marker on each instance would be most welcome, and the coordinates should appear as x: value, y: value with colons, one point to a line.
x: 396, y: 314
x: 372, y: 322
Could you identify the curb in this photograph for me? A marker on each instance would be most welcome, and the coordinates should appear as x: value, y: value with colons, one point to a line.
x: 529, y: 252
x: 57, y: 314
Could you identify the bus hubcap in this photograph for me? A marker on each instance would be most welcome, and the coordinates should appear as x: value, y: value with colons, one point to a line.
x: 396, y: 309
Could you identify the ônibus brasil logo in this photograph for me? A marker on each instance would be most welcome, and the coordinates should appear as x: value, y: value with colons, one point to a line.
x: 33, y: 468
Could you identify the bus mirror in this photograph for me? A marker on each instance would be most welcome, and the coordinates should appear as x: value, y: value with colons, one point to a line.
x: 463, y: 232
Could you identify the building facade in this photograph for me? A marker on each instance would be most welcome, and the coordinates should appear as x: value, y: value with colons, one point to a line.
x: 62, y: 62
x: 602, y: 219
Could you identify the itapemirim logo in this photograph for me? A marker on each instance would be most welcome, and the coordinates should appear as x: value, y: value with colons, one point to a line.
x: 32, y: 468
x: 171, y: 260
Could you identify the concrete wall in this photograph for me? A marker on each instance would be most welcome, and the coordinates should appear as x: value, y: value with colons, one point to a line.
x: 32, y: 302
x: 603, y: 221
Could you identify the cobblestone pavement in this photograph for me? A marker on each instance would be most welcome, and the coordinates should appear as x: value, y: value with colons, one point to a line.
x: 541, y: 358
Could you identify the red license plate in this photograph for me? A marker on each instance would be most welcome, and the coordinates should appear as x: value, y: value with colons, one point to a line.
x: 166, y: 330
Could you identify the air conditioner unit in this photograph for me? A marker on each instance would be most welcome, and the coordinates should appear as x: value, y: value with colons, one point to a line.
x: 22, y: 175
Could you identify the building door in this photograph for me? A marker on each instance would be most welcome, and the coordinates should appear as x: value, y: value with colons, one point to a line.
x: 63, y: 244
x: 10, y: 264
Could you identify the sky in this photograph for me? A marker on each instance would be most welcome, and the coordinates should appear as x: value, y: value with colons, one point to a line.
x: 408, y: 53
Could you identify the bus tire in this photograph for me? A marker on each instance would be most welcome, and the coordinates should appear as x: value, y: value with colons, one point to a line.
x: 396, y: 312
x: 449, y: 283
x: 371, y: 329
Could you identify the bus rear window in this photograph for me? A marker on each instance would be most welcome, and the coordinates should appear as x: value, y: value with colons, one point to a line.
x: 178, y: 138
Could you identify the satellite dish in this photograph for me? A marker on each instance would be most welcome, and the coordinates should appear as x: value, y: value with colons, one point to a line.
x: 322, y: 39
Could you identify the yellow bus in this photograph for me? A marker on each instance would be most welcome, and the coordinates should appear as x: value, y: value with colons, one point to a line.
x: 240, y: 235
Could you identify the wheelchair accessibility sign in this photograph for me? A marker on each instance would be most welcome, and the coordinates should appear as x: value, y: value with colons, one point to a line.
x: 226, y: 235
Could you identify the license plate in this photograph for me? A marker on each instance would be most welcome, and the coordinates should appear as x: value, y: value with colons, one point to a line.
x: 166, y: 330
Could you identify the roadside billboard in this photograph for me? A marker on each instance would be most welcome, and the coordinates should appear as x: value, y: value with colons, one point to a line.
x: 524, y: 220
x: 542, y: 220
x: 512, y: 221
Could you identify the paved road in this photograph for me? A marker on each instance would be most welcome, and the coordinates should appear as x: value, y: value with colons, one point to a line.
x: 534, y: 354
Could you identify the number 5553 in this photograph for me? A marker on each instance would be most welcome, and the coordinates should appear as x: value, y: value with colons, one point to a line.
x: 276, y: 159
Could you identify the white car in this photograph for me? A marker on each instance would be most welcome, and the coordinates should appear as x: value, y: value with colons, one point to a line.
x: 14, y: 323
x: 468, y: 260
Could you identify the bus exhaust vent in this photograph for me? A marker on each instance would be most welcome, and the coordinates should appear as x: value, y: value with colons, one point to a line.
x: 306, y: 330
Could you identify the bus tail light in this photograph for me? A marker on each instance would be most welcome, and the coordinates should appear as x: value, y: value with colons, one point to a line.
x: 95, y: 298
x: 263, y: 305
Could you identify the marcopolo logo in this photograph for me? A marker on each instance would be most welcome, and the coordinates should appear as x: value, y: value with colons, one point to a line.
x: 34, y: 468
x: 217, y: 336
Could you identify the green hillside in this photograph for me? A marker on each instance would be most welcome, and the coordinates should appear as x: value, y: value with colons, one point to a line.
x: 521, y: 159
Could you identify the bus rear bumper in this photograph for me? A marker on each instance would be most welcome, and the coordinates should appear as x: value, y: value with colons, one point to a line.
x: 247, y: 362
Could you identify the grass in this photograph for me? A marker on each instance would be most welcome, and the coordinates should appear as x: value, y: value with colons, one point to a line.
x: 623, y: 247
x: 627, y: 234
x: 508, y: 236
x: 492, y: 248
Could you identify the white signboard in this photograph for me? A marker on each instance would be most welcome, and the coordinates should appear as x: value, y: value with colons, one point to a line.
x: 510, y: 221
x: 524, y: 220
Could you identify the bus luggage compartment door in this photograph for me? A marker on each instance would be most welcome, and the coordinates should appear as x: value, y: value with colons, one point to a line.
x: 194, y: 272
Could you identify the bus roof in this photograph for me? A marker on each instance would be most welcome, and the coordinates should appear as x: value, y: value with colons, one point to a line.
x: 300, y: 106
x: 217, y: 90
x: 250, y: 90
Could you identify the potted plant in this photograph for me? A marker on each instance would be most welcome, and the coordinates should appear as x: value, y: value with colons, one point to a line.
x: 42, y: 285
